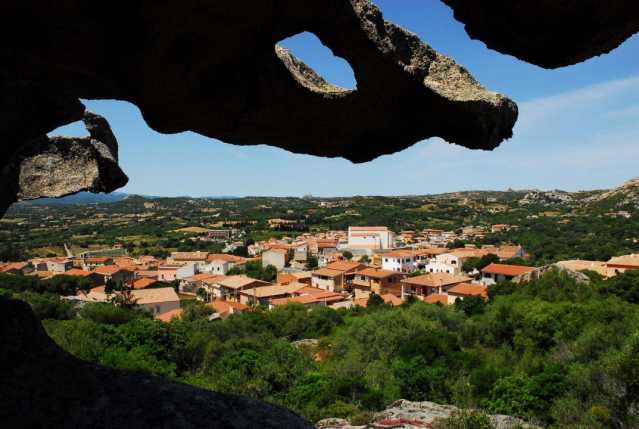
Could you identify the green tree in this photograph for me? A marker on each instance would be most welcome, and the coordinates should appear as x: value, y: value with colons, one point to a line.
x: 347, y: 255
x: 375, y: 301
x: 471, y: 305
x: 311, y: 262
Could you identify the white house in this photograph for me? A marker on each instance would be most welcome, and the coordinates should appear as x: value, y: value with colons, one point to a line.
x: 275, y: 257
x: 218, y: 266
x: 495, y: 273
x: 370, y: 237
x: 401, y: 261
x: 453, y: 261
x: 221, y: 263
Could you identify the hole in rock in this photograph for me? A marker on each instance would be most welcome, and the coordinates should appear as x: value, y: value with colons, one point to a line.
x: 74, y: 129
x: 309, y: 49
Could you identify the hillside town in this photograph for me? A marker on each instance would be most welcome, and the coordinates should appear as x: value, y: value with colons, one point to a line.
x: 337, y: 269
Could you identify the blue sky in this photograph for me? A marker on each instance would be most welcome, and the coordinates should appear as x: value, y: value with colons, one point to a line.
x: 578, y: 129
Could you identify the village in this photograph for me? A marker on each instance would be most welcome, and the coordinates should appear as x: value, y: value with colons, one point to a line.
x: 337, y: 269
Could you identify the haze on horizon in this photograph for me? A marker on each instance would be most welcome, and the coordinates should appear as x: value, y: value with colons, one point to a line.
x: 577, y: 130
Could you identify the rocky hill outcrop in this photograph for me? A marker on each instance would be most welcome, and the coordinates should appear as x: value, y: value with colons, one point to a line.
x: 626, y: 195
x: 417, y: 415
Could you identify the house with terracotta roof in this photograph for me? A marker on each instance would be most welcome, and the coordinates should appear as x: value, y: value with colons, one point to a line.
x: 284, y: 278
x: 224, y: 309
x: 495, y: 273
x: 264, y: 294
x: 114, y: 273
x: 170, y: 272
x: 191, y: 285
x: 197, y: 259
x: 17, y: 268
x: 464, y: 290
x: 431, y: 283
x: 388, y: 298
x: 437, y: 298
x: 374, y: 280
x: 53, y: 265
x: 276, y: 257
x: 453, y: 261
x: 97, y: 279
x: 144, y: 282
x: 229, y: 287
x: 332, y: 277
x: 91, y: 262
x: 624, y: 263
x: 310, y: 300
x: 156, y: 301
x: 221, y: 263
x: 370, y: 237
x: 401, y: 261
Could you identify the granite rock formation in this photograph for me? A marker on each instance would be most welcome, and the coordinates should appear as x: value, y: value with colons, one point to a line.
x: 57, y: 166
x: 214, y: 68
x: 42, y: 386
x: 549, y: 33
x: 417, y: 415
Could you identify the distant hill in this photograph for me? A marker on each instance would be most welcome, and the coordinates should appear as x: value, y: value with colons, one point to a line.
x: 624, y: 196
x: 80, y: 198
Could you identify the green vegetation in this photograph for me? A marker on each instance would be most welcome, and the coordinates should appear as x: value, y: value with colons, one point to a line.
x: 555, y: 351
x: 255, y: 271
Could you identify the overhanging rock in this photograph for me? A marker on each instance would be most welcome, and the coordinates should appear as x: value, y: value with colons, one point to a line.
x: 213, y: 67
x: 549, y: 33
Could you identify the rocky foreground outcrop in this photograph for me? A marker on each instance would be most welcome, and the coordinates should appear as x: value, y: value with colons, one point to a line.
x: 417, y: 415
x: 42, y: 386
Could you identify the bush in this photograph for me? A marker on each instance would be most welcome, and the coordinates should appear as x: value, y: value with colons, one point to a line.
x: 464, y: 419
x: 110, y: 314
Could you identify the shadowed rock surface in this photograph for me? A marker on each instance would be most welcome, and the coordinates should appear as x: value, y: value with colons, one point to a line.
x: 549, y: 33
x: 42, y: 386
x: 58, y: 166
x: 213, y: 68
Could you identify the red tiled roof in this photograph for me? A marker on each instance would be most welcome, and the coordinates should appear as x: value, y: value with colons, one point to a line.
x: 225, y: 257
x: 144, y: 282
x: 507, y: 270
x: 327, y: 272
x: 388, y: 298
x: 76, y: 273
x: 344, y: 266
x: 310, y: 299
x: 166, y: 317
x: 436, y: 299
x: 226, y: 307
x: 469, y: 289
x: 108, y: 270
x: 434, y: 280
x: 376, y: 273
